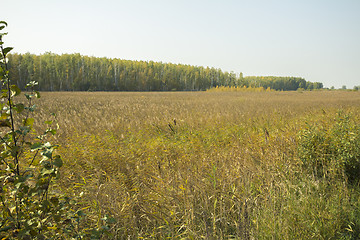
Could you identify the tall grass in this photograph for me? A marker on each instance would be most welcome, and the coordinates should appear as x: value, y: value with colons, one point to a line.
x: 212, y: 165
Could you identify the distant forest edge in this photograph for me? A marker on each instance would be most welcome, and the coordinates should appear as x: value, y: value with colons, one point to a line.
x: 74, y: 72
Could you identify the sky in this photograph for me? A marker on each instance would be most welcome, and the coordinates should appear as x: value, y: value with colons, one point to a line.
x: 318, y: 40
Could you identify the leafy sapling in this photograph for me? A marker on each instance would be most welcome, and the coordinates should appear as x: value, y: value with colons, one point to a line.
x: 27, y: 164
x: 28, y: 167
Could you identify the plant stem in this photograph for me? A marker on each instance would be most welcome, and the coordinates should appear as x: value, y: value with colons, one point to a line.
x: 16, y: 160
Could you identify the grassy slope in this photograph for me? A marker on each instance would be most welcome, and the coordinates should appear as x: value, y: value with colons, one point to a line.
x: 228, y: 168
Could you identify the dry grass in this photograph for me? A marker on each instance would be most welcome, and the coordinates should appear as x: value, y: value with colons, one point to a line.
x: 228, y: 167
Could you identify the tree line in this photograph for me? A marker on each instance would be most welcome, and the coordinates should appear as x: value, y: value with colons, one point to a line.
x: 74, y: 72
x: 281, y: 83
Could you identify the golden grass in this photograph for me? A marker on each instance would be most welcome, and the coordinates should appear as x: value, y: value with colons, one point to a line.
x: 193, y: 165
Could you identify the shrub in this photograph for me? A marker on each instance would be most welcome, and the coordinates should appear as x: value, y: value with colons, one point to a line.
x: 332, y: 149
x: 30, y: 206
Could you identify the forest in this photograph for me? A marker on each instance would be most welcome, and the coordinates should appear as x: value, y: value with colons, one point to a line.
x: 74, y: 72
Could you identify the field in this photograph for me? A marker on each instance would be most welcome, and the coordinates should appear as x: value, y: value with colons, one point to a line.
x: 212, y: 165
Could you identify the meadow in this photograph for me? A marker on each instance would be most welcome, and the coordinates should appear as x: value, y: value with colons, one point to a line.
x: 212, y: 165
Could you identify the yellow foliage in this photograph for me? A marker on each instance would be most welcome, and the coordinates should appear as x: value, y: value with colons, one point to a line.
x: 238, y: 89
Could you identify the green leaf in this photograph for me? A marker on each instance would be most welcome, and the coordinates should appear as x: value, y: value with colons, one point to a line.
x: 32, y: 108
x: 19, y: 185
x: 37, y: 94
x: 48, y: 122
x: 6, y: 50
x: 4, y: 115
x: 36, y: 146
x: 52, y: 131
x: 15, y: 151
x: 4, y: 93
x: 46, y: 163
x: 48, y: 153
x: 58, y: 161
x: 32, y: 84
x: 19, y: 107
x: 47, y: 171
x: 28, y: 122
x: 4, y: 23
x: 15, y: 90
x: 24, y: 130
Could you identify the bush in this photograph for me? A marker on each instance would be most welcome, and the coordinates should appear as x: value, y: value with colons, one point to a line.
x: 332, y: 149
x: 30, y: 206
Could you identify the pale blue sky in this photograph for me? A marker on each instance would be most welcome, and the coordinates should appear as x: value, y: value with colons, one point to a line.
x: 315, y: 39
